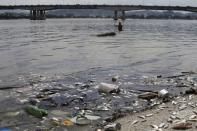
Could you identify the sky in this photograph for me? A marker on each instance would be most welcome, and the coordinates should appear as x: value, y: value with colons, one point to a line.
x: 111, y: 2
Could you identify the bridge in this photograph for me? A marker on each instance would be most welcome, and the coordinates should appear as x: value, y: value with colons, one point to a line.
x: 38, y: 12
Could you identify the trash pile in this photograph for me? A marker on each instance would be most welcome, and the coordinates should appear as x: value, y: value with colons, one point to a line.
x: 56, y: 104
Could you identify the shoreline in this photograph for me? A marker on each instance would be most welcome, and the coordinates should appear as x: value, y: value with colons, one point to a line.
x: 163, y: 117
x: 103, y: 106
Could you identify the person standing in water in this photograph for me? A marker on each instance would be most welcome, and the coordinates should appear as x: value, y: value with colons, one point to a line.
x: 120, y: 26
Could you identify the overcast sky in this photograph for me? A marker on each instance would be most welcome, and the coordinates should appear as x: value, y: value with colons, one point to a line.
x: 128, y: 2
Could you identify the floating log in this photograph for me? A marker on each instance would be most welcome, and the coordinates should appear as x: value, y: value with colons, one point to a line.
x: 107, y: 34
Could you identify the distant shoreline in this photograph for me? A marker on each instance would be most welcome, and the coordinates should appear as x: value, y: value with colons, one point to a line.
x: 15, y: 18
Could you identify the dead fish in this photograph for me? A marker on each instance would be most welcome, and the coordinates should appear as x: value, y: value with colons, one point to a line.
x: 182, y: 126
x: 154, y: 126
x: 193, y: 117
x: 182, y: 107
x: 149, y: 115
x: 173, y: 117
x: 162, y: 125
x: 134, y: 122
x: 143, y: 117
x: 174, y: 102
x: 195, y: 112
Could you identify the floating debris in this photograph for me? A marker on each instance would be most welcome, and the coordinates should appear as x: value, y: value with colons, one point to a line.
x: 81, y: 120
x: 163, y: 93
x: 107, y: 34
x: 68, y: 122
x: 60, y: 113
x: 115, y: 78
x: 92, y: 118
x: 5, y: 129
x: 55, y: 121
x: 108, y: 88
x: 12, y: 114
x: 35, y: 111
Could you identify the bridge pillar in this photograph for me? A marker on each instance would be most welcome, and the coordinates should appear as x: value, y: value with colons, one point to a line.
x: 42, y: 15
x: 37, y: 15
x: 123, y: 15
x: 115, y: 15
x: 33, y: 14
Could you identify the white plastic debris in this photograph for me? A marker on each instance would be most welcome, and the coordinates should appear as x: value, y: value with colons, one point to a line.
x: 112, y: 127
x: 163, y: 93
x: 108, y: 88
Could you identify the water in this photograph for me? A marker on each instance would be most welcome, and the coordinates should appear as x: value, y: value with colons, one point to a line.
x: 58, y: 52
x: 63, y: 46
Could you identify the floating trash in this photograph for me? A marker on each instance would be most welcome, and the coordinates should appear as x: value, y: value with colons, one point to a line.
x: 5, y: 129
x: 82, y: 121
x: 108, y: 88
x: 55, y: 121
x: 107, y: 34
x: 163, y: 93
x: 68, y: 123
x: 115, y: 78
x: 60, y: 113
x: 35, y: 111
x: 12, y: 114
x: 92, y: 118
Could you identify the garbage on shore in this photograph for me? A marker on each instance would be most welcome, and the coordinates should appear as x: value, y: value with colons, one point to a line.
x: 108, y: 88
x: 62, y: 104
x: 35, y: 111
x: 68, y: 122
x: 112, y: 127
x: 5, y: 129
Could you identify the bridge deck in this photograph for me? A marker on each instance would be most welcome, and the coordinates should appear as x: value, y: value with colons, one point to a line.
x: 107, y: 7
